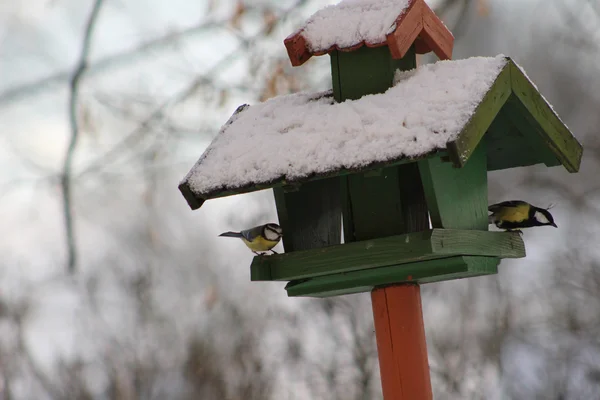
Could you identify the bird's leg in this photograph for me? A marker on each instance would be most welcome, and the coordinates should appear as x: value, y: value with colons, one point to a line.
x: 258, y: 254
x: 274, y: 252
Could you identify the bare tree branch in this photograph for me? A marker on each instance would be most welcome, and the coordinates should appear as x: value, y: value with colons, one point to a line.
x: 185, y: 93
x: 66, y: 177
x: 58, y: 78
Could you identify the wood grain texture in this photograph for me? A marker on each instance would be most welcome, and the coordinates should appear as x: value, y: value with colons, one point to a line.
x: 460, y: 150
x: 400, y: 334
x: 435, y: 34
x: 396, y: 250
x: 297, y: 50
x: 531, y: 145
x: 365, y: 71
x: 481, y: 243
x: 508, y: 146
x: 436, y: 270
x: 552, y: 130
x: 310, y: 216
x: 375, y: 205
x: 457, y: 197
x: 476, y: 266
x: 408, y: 27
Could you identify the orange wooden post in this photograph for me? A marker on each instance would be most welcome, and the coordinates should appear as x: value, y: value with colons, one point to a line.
x: 400, y: 333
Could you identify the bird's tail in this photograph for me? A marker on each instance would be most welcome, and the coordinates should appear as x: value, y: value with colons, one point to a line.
x: 491, y: 219
x: 231, y: 234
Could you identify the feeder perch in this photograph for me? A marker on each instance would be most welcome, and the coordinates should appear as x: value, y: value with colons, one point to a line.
x: 394, y: 156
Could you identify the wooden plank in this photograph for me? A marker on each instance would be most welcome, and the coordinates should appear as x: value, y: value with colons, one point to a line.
x: 508, y: 147
x: 193, y: 201
x: 297, y: 49
x: 436, y: 35
x: 461, y: 149
x: 347, y: 257
x: 457, y: 197
x: 438, y: 270
x: 408, y: 28
x: 476, y: 266
x: 215, y: 194
x: 530, y: 137
x: 367, y: 70
x: 554, y: 132
x: 481, y: 243
x: 411, y: 272
x: 395, y: 250
x: 370, y: 201
x: 401, y: 345
x: 375, y: 205
x: 415, y: 213
x: 310, y: 216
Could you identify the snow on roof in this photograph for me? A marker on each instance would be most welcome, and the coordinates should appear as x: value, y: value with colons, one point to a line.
x: 295, y: 136
x: 351, y: 22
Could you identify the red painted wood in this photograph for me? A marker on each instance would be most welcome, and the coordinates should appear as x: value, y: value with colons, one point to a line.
x: 295, y: 45
x: 417, y: 24
x: 400, y: 333
x: 408, y: 27
x: 436, y: 35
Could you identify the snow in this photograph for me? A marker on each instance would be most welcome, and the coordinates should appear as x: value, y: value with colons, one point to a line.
x: 351, y: 22
x: 294, y: 136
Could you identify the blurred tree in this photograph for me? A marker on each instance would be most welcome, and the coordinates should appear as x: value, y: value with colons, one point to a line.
x: 118, y: 100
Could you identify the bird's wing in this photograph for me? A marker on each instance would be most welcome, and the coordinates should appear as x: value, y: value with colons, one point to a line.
x: 511, y: 211
x: 252, y: 233
x: 507, y: 204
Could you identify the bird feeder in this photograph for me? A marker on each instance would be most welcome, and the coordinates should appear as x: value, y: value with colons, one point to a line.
x: 395, y: 157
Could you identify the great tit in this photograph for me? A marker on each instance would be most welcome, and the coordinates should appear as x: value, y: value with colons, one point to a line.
x: 260, y: 238
x: 516, y: 214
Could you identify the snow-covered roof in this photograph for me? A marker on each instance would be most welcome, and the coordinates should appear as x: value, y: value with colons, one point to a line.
x: 299, y: 136
x: 352, y: 21
x: 351, y: 24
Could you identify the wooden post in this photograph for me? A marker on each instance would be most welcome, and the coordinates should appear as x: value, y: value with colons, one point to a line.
x: 382, y: 204
x: 400, y: 333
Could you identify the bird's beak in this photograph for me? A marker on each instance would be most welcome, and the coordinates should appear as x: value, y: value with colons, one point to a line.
x: 554, y: 225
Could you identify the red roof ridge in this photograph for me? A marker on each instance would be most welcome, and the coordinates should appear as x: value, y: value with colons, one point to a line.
x: 417, y: 24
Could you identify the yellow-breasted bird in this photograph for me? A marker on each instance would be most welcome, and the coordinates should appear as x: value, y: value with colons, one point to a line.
x: 516, y: 214
x: 259, y: 238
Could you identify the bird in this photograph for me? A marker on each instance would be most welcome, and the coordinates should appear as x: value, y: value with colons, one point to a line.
x: 515, y: 214
x: 260, y: 238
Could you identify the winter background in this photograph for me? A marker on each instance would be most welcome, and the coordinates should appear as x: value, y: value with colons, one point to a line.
x: 106, y: 104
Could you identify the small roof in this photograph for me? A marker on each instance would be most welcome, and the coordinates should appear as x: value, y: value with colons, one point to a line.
x: 352, y: 24
x: 445, y: 107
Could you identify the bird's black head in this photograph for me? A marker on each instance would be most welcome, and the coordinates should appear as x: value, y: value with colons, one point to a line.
x: 272, y: 231
x: 543, y: 217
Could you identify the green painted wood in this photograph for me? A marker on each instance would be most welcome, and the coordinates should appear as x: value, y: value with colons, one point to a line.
x: 365, y: 71
x: 507, y: 146
x: 547, y: 125
x: 371, y: 201
x: 530, y: 136
x: 476, y: 266
x: 477, y: 243
x: 386, y: 251
x: 461, y: 149
x: 420, y: 272
x: 415, y: 213
x: 196, y: 200
x: 374, y: 205
x: 457, y: 197
x: 311, y: 215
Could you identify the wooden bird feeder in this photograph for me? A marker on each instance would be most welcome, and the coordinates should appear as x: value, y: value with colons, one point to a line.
x: 398, y: 161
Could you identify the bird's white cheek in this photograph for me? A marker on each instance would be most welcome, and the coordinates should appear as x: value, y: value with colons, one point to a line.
x: 541, y: 218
